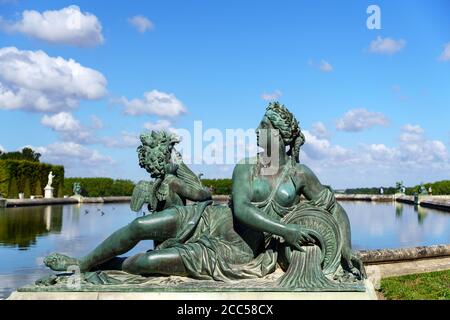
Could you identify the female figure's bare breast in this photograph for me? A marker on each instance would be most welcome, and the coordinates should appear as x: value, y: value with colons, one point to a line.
x: 286, y: 193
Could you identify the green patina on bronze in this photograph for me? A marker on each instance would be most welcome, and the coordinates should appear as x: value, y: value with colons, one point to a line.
x: 287, y: 219
x: 76, y: 189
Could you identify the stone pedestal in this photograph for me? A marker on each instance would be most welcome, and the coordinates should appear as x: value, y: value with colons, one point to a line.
x: 368, y: 294
x: 48, y: 192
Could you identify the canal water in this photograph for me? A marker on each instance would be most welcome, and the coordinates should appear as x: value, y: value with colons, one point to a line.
x: 28, y: 234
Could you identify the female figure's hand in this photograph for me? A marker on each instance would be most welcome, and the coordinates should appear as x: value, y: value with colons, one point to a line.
x: 297, y: 236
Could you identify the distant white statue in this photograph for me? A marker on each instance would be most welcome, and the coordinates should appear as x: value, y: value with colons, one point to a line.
x: 48, y: 188
x: 50, y: 179
x: 381, y: 191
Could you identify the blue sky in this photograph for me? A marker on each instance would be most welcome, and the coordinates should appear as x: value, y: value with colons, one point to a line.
x: 373, y: 103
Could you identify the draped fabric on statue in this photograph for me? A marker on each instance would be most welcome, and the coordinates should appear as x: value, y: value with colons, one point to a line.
x: 213, y: 249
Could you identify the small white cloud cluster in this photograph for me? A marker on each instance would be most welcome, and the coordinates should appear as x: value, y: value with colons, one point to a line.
x: 319, y: 130
x: 126, y: 140
x: 159, y: 125
x: 34, y: 81
x: 416, y: 149
x: 445, y: 55
x: 63, y: 121
x: 386, y: 45
x: 69, y: 128
x: 271, y: 96
x: 96, y: 122
x: 414, y: 156
x: 360, y: 119
x: 66, y: 26
x: 154, y: 103
x: 141, y: 23
x: 325, y: 66
x: 72, y: 154
x: 320, y: 148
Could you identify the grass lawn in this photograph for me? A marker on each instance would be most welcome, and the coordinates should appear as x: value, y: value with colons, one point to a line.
x: 424, y: 286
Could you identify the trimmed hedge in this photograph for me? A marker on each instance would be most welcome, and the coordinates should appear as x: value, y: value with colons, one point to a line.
x: 219, y: 186
x: 100, y: 187
x: 105, y: 187
x: 28, y: 177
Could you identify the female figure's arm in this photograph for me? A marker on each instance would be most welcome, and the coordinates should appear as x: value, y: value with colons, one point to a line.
x: 188, y: 191
x: 254, y: 218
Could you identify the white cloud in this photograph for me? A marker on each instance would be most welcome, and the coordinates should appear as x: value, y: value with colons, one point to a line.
x: 411, y: 133
x: 2, y: 149
x: 141, y: 23
x: 319, y: 130
x: 398, y: 92
x: 416, y: 149
x: 158, y: 126
x: 386, y: 45
x: 271, y: 96
x: 63, y: 121
x: 319, y: 148
x: 66, y: 26
x: 380, y: 153
x: 72, y: 155
x: 96, y: 122
x: 360, y: 119
x: 126, y: 140
x: 71, y: 131
x: 69, y: 128
x: 34, y: 81
x: 154, y: 103
x: 414, y: 159
x: 325, y: 66
x: 445, y: 55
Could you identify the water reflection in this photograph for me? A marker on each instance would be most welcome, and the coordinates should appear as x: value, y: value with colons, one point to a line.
x: 398, y: 210
x: 396, y: 225
x: 421, y: 213
x: 28, y: 234
x: 21, y: 226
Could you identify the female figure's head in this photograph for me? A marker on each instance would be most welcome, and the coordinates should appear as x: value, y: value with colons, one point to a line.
x: 155, y: 152
x: 279, y: 121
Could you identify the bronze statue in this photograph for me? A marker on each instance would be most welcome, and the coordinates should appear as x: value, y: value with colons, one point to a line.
x: 174, y: 182
x: 267, y: 222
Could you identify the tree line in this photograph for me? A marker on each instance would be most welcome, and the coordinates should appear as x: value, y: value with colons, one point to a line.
x: 438, y: 188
